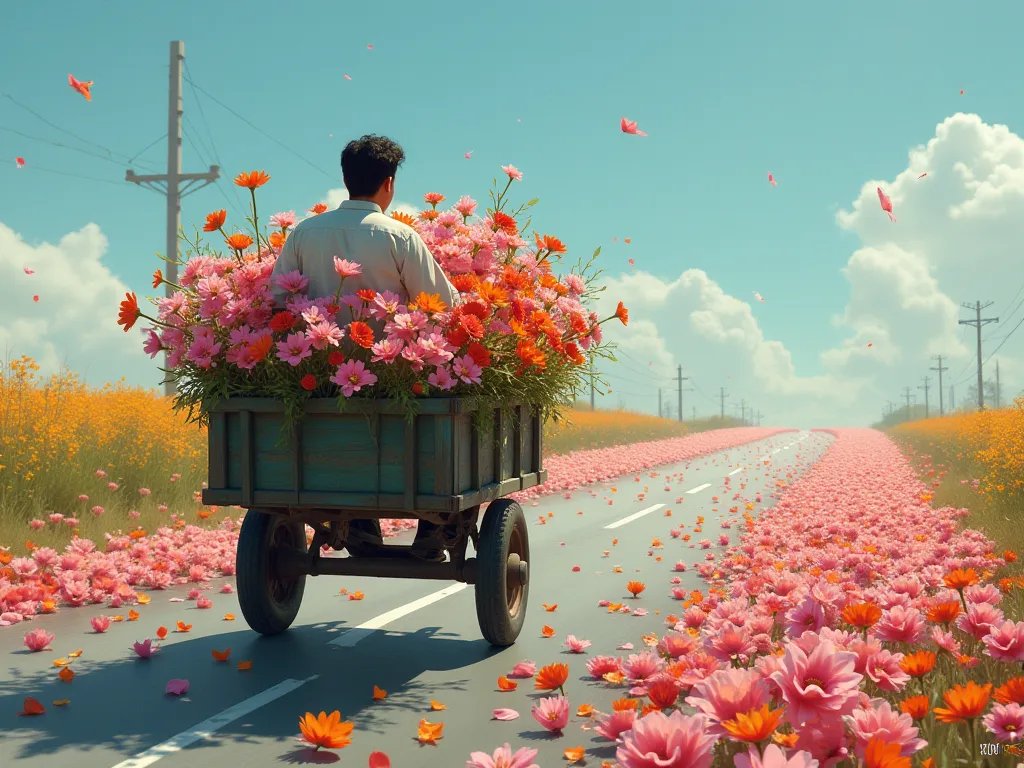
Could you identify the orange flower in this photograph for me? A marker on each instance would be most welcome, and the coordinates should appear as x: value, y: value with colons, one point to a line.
x: 547, y: 631
x: 403, y: 217
x: 361, y: 334
x: 366, y: 294
x: 215, y: 221
x: 260, y: 348
x: 277, y: 239
x: 492, y: 294
x: 221, y: 655
x: 252, y: 180
x: 504, y: 684
x: 505, y: 223
x: 428, y: 302
x: 862, y: 615
x: 1010, y: 692
x: 636, y: 587
x: 551, y: 676
x: 129, y: 312
x: 549, y: 243
x: 964, y: 702
x: 584, y: 710
x: 239, y: 241
x: 429, y: 733
x: 915, y: 706
x: 317, y: 209
x: 183, y: 627
x: 623, y: 705
x: 959, y: 579
x: 574, y: 754
x: 327, y: 731
x: 918, y: 664
x: 943, y: 613
x: 1009, y: 556
x: 622, y: 313
x: 663, y: 692
x: 379, y: 694
x: 158, y: 277
x: 133, y: 615
x: 880, y: 754
x: 755, y: 725
x: 787, y: 740
x: 437, y: 706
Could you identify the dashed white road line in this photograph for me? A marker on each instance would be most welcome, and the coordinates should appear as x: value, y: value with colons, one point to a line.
x: 634, y: 516
x: 367, y: 628
x: 210, y: 726
x: 738, y: 469
x: 699, y: 488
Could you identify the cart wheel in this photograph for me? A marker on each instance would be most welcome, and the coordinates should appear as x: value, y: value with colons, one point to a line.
x: 502, y: 575
x: 269, y: 601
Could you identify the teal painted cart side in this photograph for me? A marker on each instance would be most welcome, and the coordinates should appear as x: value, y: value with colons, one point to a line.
x: 371, y: 458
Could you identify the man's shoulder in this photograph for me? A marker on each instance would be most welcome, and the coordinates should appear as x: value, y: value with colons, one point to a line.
x: 342, y: 218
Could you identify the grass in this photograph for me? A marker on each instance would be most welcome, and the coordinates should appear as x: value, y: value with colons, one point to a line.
x: 62, y: 443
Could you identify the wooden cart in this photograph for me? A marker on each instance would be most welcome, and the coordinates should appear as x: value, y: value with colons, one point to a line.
x: 372, y: 462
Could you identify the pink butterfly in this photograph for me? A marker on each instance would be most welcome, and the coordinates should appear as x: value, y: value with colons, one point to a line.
x: 469, y: 154
x: 886, y: 203
x: 346, y: 77
x: 29, y: 271
x: 771, y: 179
x: 20, y: 162
x: 629, y: 126
x: 370, y: 47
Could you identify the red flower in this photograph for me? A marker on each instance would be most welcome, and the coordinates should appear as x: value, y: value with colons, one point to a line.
x: 622, y: 313
x: 361, y: 334
x: 505, y: 222
x: 417, y: 388
x: 457, y: 336
x: 308, y: 382
x: 129, y: 312
x: 479, y: 354
x: 335, y: 358
x: 282, y: 321
x: 215, y: 221
x: 366, y: 294
x: 472, y: 325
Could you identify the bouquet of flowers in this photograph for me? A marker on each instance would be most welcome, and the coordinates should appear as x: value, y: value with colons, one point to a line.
x: 519, y: 334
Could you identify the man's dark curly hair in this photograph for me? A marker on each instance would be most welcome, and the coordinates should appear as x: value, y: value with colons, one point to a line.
x: 367, y: 162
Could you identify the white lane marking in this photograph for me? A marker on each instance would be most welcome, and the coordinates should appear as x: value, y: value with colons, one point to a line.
x: 764, y: 458
x: 776, y: 451
x: 367, y: 628
x: 634, y: 516
x: 215, y: 723
x: 699, y: 488
x: 738, y: 469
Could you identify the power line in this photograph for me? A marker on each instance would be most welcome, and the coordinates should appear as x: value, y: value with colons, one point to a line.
x: 33, y: 167
x: 256, y: 128
x: 62, y: 145
x: 1018, y: 325
x: 146, y: 149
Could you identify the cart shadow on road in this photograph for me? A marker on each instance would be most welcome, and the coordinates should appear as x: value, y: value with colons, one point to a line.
x: 121, y: 705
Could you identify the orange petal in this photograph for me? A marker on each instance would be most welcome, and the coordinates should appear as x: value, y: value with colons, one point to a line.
x: 183, y: 627
x: 61, y: 702
x: 133, y: 615
x: 221, y: 655
x: 161, y: 632
x: 547, y: 631
x: 117, y: 618
x: 244, y: 666
x: 74, y: 654
x: 144, y: 599
x: 504, y: 684
x: 379, y: 693
x: 32, y: 707
x: 229, y: 617
x: 437, y: 706
x: 550, y: 608
x: 428, y: 733
x: 67, y: 674
x: 574, y: 754
x: 357, y: 595
x: 585, y: 710
x: 61, y: 662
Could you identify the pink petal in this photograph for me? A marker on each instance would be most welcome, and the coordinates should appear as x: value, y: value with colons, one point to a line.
x: 505, y: 714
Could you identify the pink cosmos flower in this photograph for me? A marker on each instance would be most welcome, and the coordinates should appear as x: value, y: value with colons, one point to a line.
x: 727, y: 693
x: 283, y: 220
x: 523, y: 669
x: 599, y: 666
x: 883, y: 668
x: 467, y: 369
x: 659, y: 740
x: 296, y: 348
x: 890, y: 725
x: 38, y: 640
x: 979, y: 619
x: 821, y: 685
x: 513, y: 173
x: 552, y: 713
x: 614, y: 725
x: 352, y: 376
x: 503, y: 758
x: 346, y: 268
x: 442, y: 378
x: 100, y: 623
x: 641, y: 666
x: 1005, y: 722
x: 774, y: 757
x: 145, y: 649
x: 1005, y: 641
x: 900, y: 625
x: 575, y: 645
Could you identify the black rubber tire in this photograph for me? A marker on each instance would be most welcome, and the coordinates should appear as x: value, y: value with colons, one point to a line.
x: 264, y: 611
x: 503, y: 523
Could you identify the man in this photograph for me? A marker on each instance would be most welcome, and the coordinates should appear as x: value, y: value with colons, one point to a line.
x: 393, y: 258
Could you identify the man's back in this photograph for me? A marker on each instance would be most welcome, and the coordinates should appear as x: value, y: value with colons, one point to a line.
x: 392, y: 255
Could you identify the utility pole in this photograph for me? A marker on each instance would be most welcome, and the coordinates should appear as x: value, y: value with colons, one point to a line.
x: 591, y: 383
x: 926, y: 387
x: 906, y: 394
x: 743, y: 411
x: 759, y: 417
x: 940, y: 369
x: 723, y: 394
x: 695, y: 413
x: 889, y: 407
x: 978, y: 322
x: 680, y: 381
x: 952, y: 400
x: 999, y: 392
x: 660, y: 413
x: 174, y: 178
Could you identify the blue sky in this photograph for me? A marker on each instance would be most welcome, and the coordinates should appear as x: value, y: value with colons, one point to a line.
x: 824, y: 95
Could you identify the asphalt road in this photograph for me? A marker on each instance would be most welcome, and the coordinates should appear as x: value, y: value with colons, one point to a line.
x: 419, y: 641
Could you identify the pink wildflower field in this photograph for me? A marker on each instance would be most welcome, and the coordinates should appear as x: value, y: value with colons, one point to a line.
x: 120, y: 569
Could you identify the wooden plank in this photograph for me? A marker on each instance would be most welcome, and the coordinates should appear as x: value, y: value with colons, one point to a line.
x: 475, y: 439
x: 517, y: 441
x: 426, y: 406
x: 218, y: 453
x: 499, y: 450
x: 296, y: 449
x: 445, y: 445
x: 410, y: 460
x: 248, y: 450
x: 375, y: 426
x: 538, y: 441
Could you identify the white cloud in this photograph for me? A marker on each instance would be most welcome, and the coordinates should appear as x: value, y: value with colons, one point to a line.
x: 74, y: 322
x: 335, y: 197
x: 957, y: 239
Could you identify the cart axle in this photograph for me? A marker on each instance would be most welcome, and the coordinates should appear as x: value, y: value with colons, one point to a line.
x: 396, y: 564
